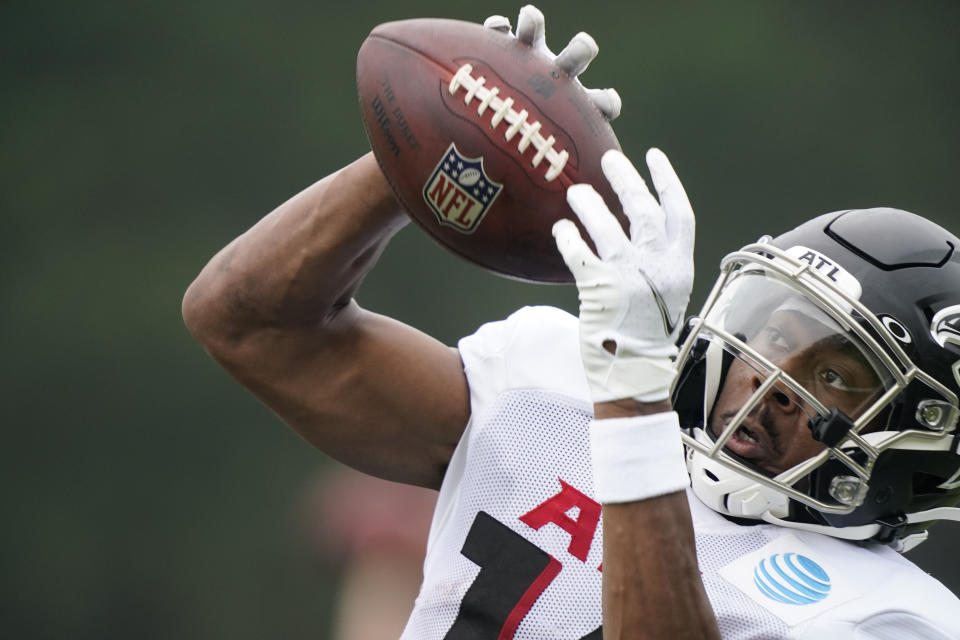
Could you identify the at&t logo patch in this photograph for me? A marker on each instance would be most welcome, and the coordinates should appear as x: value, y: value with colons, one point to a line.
x: 459, y: 191
x: 791, y: 578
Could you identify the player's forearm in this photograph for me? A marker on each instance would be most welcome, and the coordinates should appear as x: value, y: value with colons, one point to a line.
x: 300, y: 263
x: 651, y: 584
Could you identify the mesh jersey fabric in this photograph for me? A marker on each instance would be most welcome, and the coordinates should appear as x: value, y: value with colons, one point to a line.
x: 514, y: 549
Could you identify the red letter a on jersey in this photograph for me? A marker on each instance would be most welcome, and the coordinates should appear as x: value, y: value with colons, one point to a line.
x: 555, y: 509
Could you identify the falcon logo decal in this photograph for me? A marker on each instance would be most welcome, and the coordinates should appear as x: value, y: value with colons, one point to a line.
x: 945, y: 328
x: 459, y: 191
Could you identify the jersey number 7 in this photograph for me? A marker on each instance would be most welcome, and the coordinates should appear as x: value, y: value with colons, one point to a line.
x: 513, y: 574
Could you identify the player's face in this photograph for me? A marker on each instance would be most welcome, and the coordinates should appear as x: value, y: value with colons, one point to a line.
x: 775, y: 436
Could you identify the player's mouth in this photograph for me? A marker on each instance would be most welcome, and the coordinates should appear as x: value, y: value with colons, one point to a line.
x: 751, y: 441
x: 746, y: 443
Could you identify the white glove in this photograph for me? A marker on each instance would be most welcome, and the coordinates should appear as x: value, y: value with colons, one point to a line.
x: 574, y: 59
x: 634, y: 295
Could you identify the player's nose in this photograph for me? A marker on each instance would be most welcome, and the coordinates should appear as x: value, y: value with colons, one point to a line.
x: 779, y: 397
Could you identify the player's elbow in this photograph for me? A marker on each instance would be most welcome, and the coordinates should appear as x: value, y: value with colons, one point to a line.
x: 195, y: 311
x: 206, y: 315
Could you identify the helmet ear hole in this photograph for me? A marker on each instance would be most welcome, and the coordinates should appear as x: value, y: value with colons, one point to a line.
x: 711, y: 475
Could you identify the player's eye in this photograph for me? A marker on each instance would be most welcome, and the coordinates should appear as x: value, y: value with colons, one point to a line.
x: 834, y: 380
x: 775, y: 339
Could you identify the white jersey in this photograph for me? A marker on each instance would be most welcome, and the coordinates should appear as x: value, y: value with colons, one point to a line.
x: 515, y: 544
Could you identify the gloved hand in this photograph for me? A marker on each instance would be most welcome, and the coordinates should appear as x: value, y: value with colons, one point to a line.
x: 574, y: 59
x: 634, y: 294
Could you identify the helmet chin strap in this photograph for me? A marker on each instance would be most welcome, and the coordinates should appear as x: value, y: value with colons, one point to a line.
x: 862, y: 532
x: 939, y: 513
x: 866, y: 531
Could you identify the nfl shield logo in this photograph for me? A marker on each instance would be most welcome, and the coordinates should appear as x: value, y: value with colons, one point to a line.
x: 459, y: 191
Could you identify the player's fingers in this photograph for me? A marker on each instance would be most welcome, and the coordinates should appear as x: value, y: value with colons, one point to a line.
x: 576, y: 254
x: 680, y: 223
x: 603, y: 227
x: 530, y: 27
x: 498, y: 23
x: 578, y: 54
x: 641, y: 208
x: 607, y: 100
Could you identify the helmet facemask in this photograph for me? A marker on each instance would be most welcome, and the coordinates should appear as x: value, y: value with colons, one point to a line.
x: 799, y: 386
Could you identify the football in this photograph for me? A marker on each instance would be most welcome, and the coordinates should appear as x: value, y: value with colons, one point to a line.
x: 480, y: 136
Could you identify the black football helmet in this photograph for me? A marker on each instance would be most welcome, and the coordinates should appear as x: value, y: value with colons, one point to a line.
x: 878, y: 292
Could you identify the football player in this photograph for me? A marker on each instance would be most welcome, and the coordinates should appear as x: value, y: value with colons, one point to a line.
x: 759, y: 466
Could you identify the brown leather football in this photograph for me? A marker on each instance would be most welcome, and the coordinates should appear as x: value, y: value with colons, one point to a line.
x: 480, y: 136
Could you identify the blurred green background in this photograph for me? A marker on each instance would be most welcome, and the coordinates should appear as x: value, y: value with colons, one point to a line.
x: 147, y: 495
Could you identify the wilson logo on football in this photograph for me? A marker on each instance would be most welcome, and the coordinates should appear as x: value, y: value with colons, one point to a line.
x: 459, y: 191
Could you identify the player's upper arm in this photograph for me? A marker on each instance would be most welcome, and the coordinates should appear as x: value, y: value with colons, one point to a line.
x: 372, y: 392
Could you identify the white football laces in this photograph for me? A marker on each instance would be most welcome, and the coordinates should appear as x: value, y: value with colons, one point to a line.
x: 517, y: 120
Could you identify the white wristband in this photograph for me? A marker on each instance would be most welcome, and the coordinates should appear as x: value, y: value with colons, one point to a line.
x: 637, y: 458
